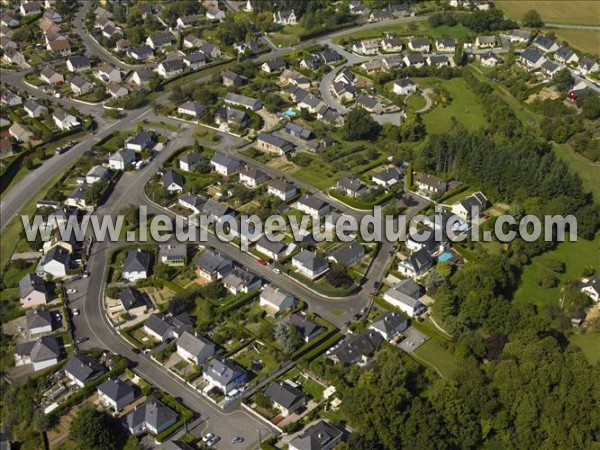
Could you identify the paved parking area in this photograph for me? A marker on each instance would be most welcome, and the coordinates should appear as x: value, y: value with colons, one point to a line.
x: 413, y: 339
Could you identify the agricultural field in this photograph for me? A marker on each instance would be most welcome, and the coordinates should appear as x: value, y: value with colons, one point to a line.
x: 574, y: 12
x: 588, y: 171
x: 586, y: 41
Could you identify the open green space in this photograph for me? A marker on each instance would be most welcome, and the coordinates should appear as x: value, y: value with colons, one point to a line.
x: 575, y: 255
x: 589, y: 343
x: 464, y: 106
x: 572, y: 12
x: 434, y: 354
x: 588, y: 171
x: 416, y: 102
x: 586, y: 41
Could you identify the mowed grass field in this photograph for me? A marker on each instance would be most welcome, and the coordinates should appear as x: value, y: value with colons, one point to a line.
x: 464, y: 106
x: 557, y: 11
x: 575, y: 255
x: 586, y: 41
x: 589, y: 343
x: 588, y: 171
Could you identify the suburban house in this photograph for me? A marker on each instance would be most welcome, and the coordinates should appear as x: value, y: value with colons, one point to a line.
x: 380, y: 15
x: 241, y: 281
x: 369, y: 103
x: 445, y: 45
x: 438, y: 61
x: 282, y: 189
x: 80, y: 86
x: 519, y: 36
x: 172, y: 254
x: 151, y: 416
x: 465, y: 207
x: 232, y: 79
x: 121, y: 160
x: 134, y: 301
x: 275, y: 301
x: 344, y: 91
x: 210, y: 49
x: 140, y: 141
x: 97, y: 173
x: 30, y: 8
x: 285, y: 17
x: 34, y: 109
x: 273, y: 144
x: 137, y: 265
x: 485, y: 41
x: 243, y: 101
x: 107, y: 73
x: 347, y: 254
x: 425, y: 237
x: 390, y: 325
x: 187, y: 21
x: 566, y: 56
x: 306, y: 328
x: 356, y: 349
x: 224, y: 374
x: 489, y: 59
x: 141, y: 53
x: 273, y: 250
x: 531, y: 59
x: 162, y: 328
x: 405, y: 86
x: 351, y: 186
x: 171, y: 68
x: 228, y: 116
x: 419, y: 44
x: 252, y: 177
x: 192, y: 41
x: 81, y: 369
x: 417, y: 264
x: 39, y: 321
x: 78, y: 63
x: 122, y: 45
x: 216, y: 211
x: 224, y: 165
x: 12, y: 56
x: 173, y: 181
x: 190, y: 160
x: 115, y: 90
x: 387, y: 178
x: 159, y: 40
x: 195, y: 60
x: 274, y: 66
x: 56, y: 262
x: 550, y: 68
x: 9, y: 98
x: 51, y: 76
x: 42, y: 353
x: 591, y: 287
x: 142, y: 76
x: 414, y: 60
x: 212, y: 266
x: 321, y: 436
x: 214, y: 13
x: 192, y: 202
x: 64, y: 120
x: 286, y: 397
x: 298, y: 131
x: 116, y: 394
x: 545, y: 44
x: 295, y: 78
x: 405, y: 296
x: 366, y: 47
x: 587, y: 66
x: 195, y: 348
x: 430, y: 184
x: 32, y: 291
x: 59, y: 47
x: 310, y: 264
x: 313, y: 206
x: 20, y: 133
x: 391, y: 44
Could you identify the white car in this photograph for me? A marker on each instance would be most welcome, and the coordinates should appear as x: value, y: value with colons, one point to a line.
x: 213, y: 440
x: 71, y: 291
x: 75, y: 312
x: 276, y: 270
x: 207, y: 437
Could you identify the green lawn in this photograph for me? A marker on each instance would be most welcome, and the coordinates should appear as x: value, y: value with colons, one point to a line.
x: 587, y: 41
x: 308, y: 385
x: 416, y: 102
x: 249, y: 354
x: 464, y: 106
x: 289, y: 35
x: 589, y: 344
x: 434, y: 354
x: 575, y: 255
x: 575, y: 12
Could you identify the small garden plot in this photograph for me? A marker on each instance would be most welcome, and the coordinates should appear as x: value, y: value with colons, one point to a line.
x: 229, y: 336
x: 259, y: 359
x: 144, y: 339
x: 181, y: 210
x: 158, y: 296
x: 15, y: 271
x: 307, y: 384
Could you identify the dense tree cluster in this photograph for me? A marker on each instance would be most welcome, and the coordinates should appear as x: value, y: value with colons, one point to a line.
x: 360, y: 125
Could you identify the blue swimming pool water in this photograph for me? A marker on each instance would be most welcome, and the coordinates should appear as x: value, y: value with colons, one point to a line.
x: 446, y: 256
x: 290, y: 113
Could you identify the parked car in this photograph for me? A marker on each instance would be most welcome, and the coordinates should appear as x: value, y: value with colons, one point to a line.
x: 237, y: 440
x: 262, y: 262
x: 71, y: 291
x: 86, y: 274
x: 276, y: 270
x: 75, y: 312
x: 81, y: 340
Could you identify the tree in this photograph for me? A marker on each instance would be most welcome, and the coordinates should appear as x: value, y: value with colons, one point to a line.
x: 95, y: 430
x: 360, y: 125
x: 261, y: 400
x: 532, y: 19
x: 338, y: 276
x: 563, y: 80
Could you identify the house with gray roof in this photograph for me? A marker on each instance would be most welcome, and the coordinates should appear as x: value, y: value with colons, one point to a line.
x: 122, y: 159
x: 369, y: 103
x: 34, y: 109
x: 81, y: 369
x: 242, y: 100
x: 320, y: 436
x: 56, y: 262
x: 310, y: 264
x: 274, y: 65
x: 224, y: 165
x: 192, y: 109
x: 545, y: 44
x: 42, y: 353
x: 232, y: 79
x: 152, y: 416
x: 405, y: 296
x: 275, y: 301
x: 163, y: 327
x: 212, y: 266
x: 173, y: 181
x: 78, y: 63
x: 39, y: 321
x: 356, y: 349
x: 419, y: 44
x: 172, y: 254
x: 390, y: 325
x: 141, y: 53
x: 313, y: 206
x: 137, y: 265
x: 308, y: 329
x: 273, y: 144
x: 282, y: 189
x: 298, y: 131
x: 417, y: 264
x: 231, y: 117
x: 474, y: 202
x: 566, y: 56
x: 141, y: 141
x: 116, y: 394
x: 351, y: 186
x: 252, y: 177
x: 531, y: 59
x: 32, y: 291
x: 240, y: 281
x: 195, y: 348
x: 190, y: 160
x: 216, y: 211
x: 387, y: 178
x: 192, y: 202
x: 347, y: 254
x: 134, y: 301
x: 271, y: 249
x: 286, y: 397
x: 224, y: 374
x: 445, y: 45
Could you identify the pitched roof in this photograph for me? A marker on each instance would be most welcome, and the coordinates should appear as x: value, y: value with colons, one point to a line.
x: 223, y: 370
x: 317, y: 437
x: 310, y: 260
x: 173, y: 177
x: 192, y: 158
x: 56, y: 253
x: 137, y: 261
x: 275, y: 247
x: 355, y: 347
x: 282, y: 185
x: 115, y: 389
x: 211, y: 262
x: 304, y: 326
x: 152, y: 413
x: 30, y: 283
x: 348, y: 253
x: 132, y: 298
x: 284, y: 394
x: 274, y: 295
x: 84, y: 368
x: 38, y: 318
x: 42, y: 349
x: 194, y: 344
x: 312, y: 202
x: 391, y: 322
